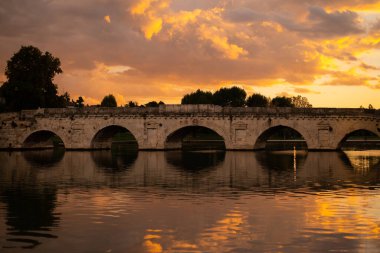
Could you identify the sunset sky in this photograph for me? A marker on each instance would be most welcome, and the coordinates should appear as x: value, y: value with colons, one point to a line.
x: 143, y: 50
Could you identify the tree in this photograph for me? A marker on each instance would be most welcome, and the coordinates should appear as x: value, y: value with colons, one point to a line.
x: 154, y: 104
x: 132, y: 104
x: 79, y: 103
x: 282, y: 102
x: 109, y: 101
x: 257, y: 100
x: 198, y: 97
x: 301, y: 102
x: 233, y: 96
x: 2, y: 102
x: 29, y: 84
x: 64, y: 100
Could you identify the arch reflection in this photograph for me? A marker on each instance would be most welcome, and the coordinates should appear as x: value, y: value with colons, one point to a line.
x: 195, y: 161
x: 281, y: 160
x: 114, y: 160
x: 362, y: 161
x: 44, y: 158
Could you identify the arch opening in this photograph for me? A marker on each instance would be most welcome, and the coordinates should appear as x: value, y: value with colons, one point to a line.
x: 114, y: 137
x: 43, y: 140
x: 280, y: 138
x: 360, y: 140
x: 195, y: 138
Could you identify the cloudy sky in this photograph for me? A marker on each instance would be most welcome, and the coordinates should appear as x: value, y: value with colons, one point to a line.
x: 143, y: 50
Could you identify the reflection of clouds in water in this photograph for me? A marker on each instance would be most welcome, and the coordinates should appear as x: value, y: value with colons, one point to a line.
x: 217, y: 237
x: 222, y: 204
x: 348, y: 217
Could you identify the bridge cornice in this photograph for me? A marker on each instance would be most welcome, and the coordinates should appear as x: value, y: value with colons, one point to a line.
x: 196, y: 111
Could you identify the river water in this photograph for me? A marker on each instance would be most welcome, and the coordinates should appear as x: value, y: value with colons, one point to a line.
x: 211, y: 201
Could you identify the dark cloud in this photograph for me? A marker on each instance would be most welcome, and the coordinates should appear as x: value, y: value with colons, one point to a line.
x: 186, y: 5
x: 244, y: 14
x: 376, y: 26
x: 321, y: 24
x: 368, y: 67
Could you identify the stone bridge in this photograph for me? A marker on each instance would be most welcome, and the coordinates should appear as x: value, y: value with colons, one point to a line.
x: 164, y: 127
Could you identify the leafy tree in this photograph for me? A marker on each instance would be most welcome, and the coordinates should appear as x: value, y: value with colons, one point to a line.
x: 109, y: 101
x: 198, y: 97
x: 154, y: 104
x: 233, y: 96
x: 79, y: 103
x: 29, y: 84
x: 301, y: 102
x: 282, y: 102
x: 257, y: 100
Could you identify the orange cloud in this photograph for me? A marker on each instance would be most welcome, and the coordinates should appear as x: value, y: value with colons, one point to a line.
x: 150, y: 10
x: 107, y: 19
x: 220, y: 42
x: 152, y: 27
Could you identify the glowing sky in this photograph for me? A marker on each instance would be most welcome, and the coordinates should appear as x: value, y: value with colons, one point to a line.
x: 143, y: 50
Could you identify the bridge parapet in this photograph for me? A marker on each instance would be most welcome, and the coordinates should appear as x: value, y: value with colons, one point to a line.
x: 208, y: 110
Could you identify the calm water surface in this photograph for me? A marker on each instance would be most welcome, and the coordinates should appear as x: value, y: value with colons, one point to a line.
x: 212, y: 201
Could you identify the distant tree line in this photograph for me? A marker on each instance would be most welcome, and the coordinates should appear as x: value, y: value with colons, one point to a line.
x: 237, y: 97
x: 110, y: 101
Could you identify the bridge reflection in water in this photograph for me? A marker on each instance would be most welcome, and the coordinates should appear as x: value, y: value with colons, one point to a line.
x: 189, y: 201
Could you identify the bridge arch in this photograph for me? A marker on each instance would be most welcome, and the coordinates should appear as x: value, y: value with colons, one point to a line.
x: 108, y: 135
x: 359, y: 137
x: 282, y: 133
x: 195, y: 137
x: 42, y: 139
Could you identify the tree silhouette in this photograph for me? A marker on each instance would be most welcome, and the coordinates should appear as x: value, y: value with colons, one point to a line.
x: 109, y: 101
x: 154, y: 104
x: 257, y: 100
x: 282, y: 102
x: 233, y: 96
x: 301, y: 102
x: 132, y: 104
x: 29, y: 84
x: 197, y: 97
x: 80, y: 102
